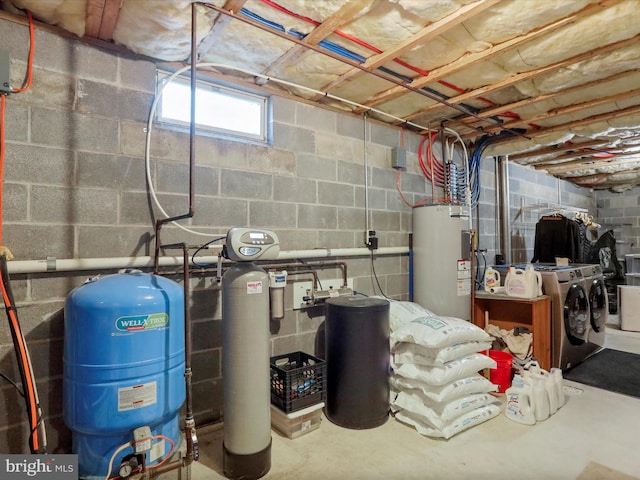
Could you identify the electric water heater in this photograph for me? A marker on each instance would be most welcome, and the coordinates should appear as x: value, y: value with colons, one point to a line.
x: 442, y: 277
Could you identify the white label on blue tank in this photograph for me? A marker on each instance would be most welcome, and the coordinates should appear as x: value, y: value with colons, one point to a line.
x: 137, y: 396
x: 134, y: 323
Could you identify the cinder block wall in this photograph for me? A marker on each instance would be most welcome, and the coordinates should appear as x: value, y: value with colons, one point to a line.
x: 621, y: 213
x: 529, y: 192
x: 75, y: 188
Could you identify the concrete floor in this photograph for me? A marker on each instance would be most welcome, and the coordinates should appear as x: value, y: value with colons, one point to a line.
x: 594, y: 436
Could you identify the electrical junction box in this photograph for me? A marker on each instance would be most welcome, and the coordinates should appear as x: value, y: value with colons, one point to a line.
x: 142, y: 439
x: 399, y: 158
x: 5, y: 72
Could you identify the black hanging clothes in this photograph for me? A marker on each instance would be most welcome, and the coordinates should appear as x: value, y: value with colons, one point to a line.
x: 604, y: 253
x: 586, y: 244
x: 556, y: 236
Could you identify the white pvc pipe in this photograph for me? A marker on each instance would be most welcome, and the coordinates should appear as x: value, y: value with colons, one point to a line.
x: 70, y: 265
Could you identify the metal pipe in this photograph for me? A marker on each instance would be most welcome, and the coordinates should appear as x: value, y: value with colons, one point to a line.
x: 193, y: 451
x: 192, y: 143
x: 504, y: 207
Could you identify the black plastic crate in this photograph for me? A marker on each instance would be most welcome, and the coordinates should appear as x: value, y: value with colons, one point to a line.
x: 297, y: 381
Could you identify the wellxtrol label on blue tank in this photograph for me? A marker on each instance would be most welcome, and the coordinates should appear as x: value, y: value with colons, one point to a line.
x: 137, y: 323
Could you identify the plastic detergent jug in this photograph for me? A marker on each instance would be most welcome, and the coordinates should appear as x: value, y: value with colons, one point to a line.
x: 491, y: 279
x: 559, y: 385
x: 519, y: 404
x: 533, y: 276
x: 552, y: 395
x: 523, y: 283
x: 547, y: 380
x: 540, y: 399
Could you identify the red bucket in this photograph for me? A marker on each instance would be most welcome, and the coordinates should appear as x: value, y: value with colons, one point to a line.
x: 501, y: 375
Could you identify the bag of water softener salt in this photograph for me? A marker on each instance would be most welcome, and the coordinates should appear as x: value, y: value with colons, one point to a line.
x: 449, y: 372
x: 439, y: 414
x: 463, y: 422
x: 437, y: 332
x: 401, y: 312
x: 412, y: 353
x: 465, y: 386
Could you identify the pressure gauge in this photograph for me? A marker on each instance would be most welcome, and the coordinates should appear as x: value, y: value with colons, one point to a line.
x: 125, y: 470
x: 249, y: 244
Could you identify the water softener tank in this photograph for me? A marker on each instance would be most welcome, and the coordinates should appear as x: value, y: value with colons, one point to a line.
x: 357, y: 355
x: 245, y: 370
x: 124, y: 364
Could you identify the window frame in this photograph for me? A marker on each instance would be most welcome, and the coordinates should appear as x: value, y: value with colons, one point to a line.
x: 261, y: 99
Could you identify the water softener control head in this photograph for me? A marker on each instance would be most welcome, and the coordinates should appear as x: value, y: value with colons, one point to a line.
x: 249, y: 244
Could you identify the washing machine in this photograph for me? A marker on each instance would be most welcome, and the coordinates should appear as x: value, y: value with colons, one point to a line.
x: 569, y: 314
x: 598, y: 305
x: 570, y: 311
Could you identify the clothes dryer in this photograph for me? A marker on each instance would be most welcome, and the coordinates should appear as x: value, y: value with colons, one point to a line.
x: 598, y: 305
x: 569, y: 314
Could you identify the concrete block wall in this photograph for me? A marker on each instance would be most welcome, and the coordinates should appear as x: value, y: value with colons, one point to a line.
x: 75, y: 187
x: 620, y: 212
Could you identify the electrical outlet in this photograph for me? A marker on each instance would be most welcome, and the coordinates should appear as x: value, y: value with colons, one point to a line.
x: 302, y: 290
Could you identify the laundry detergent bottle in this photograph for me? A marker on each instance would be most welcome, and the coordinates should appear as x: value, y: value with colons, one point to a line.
x: 519, y: 402
x: 559, y: 385
x: 533, y: 279
x: 523, y: 283
x: 540, y: 399
x: 491, y: 279
x: 547, y: 386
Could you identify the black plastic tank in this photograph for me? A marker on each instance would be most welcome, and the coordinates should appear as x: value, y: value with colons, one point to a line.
x: 357, y: 357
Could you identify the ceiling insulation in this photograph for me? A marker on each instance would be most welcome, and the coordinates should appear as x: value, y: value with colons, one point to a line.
x: 553, y: 84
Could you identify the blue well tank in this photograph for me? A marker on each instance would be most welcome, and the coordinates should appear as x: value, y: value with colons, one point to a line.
x: 124, y: 364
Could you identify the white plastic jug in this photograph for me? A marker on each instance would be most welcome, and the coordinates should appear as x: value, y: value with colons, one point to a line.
x: 559, y: 384
x: 541, y: 407
x: 542, y: 398
x: 491, y: 279
x: 534, y: 276
x: 523, y: 283
x: 519, y: 404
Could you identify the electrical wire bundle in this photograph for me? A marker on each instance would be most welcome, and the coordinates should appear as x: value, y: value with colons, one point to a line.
x: 446, y: 174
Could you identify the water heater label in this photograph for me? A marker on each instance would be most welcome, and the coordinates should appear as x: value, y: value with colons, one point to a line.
x: 137, y: 396
x: 142, y: 322
x: 254, y: 287
x: 464, y: 278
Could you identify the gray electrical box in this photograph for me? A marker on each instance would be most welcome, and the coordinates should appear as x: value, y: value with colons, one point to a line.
x: 399, y: 158
x: 5, y: 72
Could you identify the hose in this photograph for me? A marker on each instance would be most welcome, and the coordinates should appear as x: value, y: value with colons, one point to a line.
x: 37, y: 437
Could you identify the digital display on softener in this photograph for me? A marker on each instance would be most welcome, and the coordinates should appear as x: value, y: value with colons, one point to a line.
x: 247, y: 245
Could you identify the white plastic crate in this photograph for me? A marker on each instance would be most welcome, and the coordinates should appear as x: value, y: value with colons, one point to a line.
x: 632, y: 262
x: 632, y: 279
x: 296, y: 423
x: 629, y: 305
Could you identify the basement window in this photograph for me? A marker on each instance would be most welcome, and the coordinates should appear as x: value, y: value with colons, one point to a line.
x: 220, y: 110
